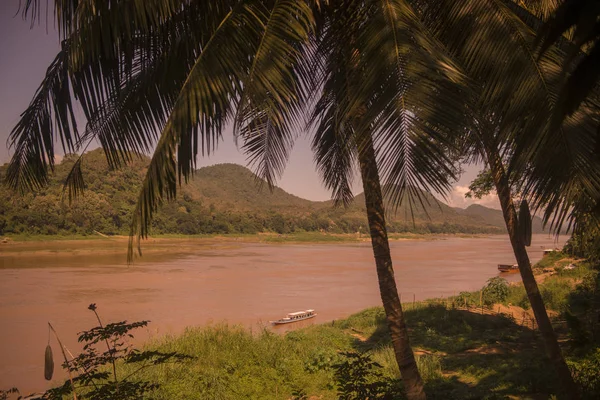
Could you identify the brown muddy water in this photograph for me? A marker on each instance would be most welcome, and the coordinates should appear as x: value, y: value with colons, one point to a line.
x: 181, y: 283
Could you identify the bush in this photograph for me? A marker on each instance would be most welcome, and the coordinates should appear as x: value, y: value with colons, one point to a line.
x: 495, y: 291
x: 358, y: 378
x: 555, y: 293
x: 95, y: 369
x: 587, y: 375
x: 517, y: 296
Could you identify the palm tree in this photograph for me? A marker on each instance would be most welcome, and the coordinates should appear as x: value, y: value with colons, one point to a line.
x: 385, y: 93
x: 507, y: 127
x: 352, y: 114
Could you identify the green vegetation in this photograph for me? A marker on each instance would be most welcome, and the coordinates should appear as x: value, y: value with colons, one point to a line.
x: 219, y: 200
x: 461, y: 355
x: 97, y: 373
x: 311, y: 237
x: 555, y: 289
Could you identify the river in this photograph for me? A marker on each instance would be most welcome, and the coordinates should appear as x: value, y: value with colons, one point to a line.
x: 181, y: 283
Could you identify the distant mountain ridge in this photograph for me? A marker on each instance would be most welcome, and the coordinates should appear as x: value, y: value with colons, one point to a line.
x: 495, y: 217
x: 223, y: 198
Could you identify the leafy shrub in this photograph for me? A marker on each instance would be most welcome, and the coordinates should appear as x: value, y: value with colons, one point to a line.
x: 555, y: 293
x: 583, y: 310
x: 467, y: 299
x: 587, y: 375
x: 321, y: 361
x: 96, y: 370
x: 517, y: 296
x: 495, y: 291
x: 358, y: 378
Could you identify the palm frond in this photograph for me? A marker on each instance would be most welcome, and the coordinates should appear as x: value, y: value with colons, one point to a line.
x: 49, y: 117
x: 562, y: 185
x: 583, y: 54
x: 541, y: 9
x: 75, y: 182
x: 416, y: 99
x: 273, y: 95
x: 129, y: 121
x: 203, y: 106
x: 333, y: 142
x: 334, y: 75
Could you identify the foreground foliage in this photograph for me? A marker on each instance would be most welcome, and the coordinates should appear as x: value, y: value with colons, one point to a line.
x: 98, y: 374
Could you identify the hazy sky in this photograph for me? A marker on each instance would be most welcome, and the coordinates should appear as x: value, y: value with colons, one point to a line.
x: 26, y: 53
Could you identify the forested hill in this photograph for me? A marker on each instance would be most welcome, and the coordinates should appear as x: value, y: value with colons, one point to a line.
x: 495, y: 217
x: 222, y: 199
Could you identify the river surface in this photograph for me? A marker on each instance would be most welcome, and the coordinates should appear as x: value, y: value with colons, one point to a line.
x: 181, y: 283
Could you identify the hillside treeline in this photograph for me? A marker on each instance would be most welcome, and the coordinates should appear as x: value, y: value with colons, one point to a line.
x: 214, y: 203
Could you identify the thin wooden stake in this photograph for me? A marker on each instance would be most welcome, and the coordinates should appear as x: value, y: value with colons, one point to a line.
x: 62, y: 349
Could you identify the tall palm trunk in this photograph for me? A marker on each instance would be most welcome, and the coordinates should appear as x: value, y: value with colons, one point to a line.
x: 533, y: 293
x: 385, y: 273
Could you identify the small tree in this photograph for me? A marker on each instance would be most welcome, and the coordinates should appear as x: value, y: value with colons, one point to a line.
x: 98, y: 377
x: 495, y: 290
x: 358, y: 378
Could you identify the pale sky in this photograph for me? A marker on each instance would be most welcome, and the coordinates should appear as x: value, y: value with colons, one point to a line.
x: 26, y: 53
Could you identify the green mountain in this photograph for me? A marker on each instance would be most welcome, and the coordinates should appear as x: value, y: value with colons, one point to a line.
x: 494, y: 217
x: 234, y: 187
x: 225, y: 198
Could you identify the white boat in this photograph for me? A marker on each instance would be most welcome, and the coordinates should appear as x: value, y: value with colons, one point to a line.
x: 295, y: 317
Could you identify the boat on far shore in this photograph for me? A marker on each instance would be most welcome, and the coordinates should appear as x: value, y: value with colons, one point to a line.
x: 550, y: 251
x: 295, y: 317
x: 508, y: 267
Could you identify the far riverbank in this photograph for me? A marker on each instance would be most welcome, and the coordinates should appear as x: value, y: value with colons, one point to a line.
x: 296, y: 237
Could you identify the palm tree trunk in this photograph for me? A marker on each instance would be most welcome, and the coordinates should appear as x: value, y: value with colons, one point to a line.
x: 533, y: 293
x: 385, y: 273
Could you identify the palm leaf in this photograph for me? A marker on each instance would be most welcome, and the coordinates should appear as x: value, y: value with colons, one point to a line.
x: 273, y: 96
x: 416, y: 101
x: 333, y: 141
x: 199, y: 113
x: 49, y: 115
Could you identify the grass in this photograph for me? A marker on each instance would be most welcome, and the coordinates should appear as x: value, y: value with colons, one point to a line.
x: 296, y: 237
x: 461, y: 355
x: 555, y: 289
x: 549, y: 260
x: 232, y: 363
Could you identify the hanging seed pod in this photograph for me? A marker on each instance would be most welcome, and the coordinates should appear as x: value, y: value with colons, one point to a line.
x: 525, y: 223
x: 48, y: 364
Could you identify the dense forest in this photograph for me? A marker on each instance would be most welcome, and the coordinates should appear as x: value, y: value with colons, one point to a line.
x: 222, y: 199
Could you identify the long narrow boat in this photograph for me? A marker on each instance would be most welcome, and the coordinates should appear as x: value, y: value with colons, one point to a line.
x: 508, y: 267
x: 295, y: 317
